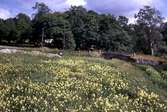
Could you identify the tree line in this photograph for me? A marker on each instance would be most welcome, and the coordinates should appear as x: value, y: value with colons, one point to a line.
x: 82, y: 29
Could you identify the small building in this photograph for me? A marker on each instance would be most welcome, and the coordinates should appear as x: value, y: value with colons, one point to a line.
x: 48, y: 41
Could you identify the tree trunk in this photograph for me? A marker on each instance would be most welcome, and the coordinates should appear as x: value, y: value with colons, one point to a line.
x: 152, y: 51
x: 152, y: 48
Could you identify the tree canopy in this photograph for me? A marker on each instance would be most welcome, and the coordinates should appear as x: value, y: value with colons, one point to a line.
x: 79, y: 28
x: 149, y: 20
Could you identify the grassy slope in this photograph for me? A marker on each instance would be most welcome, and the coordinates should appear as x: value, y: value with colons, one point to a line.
x: 136, y: 74
x: 142, y: 76
x: 139, y: 76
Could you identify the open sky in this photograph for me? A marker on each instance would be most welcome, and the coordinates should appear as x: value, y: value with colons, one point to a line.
x: 10, y: 8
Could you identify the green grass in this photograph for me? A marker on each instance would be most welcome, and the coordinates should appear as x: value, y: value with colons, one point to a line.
x: 79, y: 83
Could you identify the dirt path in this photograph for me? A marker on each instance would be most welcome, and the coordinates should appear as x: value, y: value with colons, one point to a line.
x: 31, y: 51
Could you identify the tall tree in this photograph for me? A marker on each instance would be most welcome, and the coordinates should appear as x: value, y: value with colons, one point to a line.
x: 59, y: 30
x: 39, y: 22
x: 164, y: 33
x: 91, y: 30
x: 23, y: 26
x: 9, y: 30
x: 2, y: 32
x: 149, y: 20
x: 41, y: 8
x: 113, y: 36
x: 85, y: 27
x: 77, y: 17
x: 123, y: 21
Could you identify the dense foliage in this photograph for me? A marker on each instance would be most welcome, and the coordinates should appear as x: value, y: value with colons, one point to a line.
x: 38, y: 84
x: 84, y: 29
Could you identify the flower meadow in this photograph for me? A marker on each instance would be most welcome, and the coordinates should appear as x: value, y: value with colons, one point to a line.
x: 70, y: 84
